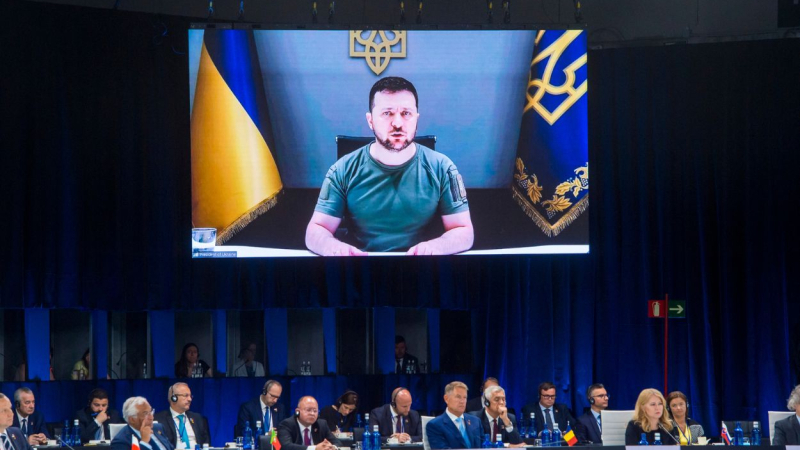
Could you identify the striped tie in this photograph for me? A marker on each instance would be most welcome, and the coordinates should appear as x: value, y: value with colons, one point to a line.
x: 6, y: 443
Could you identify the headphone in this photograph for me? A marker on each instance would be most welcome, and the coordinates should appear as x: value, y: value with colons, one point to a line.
x: 172, y: 397
x: 297, y: 412
x: 687, y: 408
x: 396, y: 393
x: 346, y: 393
x: 486, y: 400
x: 268, y: 386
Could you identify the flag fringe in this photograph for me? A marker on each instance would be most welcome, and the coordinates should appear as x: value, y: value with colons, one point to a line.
x: 542, y: 223
x: 242, y: 221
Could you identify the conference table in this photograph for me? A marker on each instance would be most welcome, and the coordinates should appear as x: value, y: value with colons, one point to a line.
x: 418, y: 446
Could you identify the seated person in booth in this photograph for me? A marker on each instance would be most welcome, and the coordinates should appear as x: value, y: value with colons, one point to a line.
x: 495, y: 418
x: 649, y: 418
x: 454, y: 428
x: 82, y: 370
x: 190, y: 365
x: 547, y: 411
x: 392, y: 188
x: 787, y: 431
x: 341, y: 416
x: 27, y: 419
x: 96, y: 416
x: 686, y: 429
x: 11, y: 438
x: 265, y: 408
x: 138, y: 413
x: 397, y: 419
x: 404, y: 362
x: 304, y: 430
x: 246, y: 365
x: 589, y: 426
x: 183, y: 428
x: 476, y: 403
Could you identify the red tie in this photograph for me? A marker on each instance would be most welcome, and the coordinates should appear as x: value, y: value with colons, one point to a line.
x: 399, y: 427
x: 306, y: 439
x: 495, y: 430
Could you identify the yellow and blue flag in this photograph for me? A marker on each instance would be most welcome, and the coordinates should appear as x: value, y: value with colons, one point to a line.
x: 551, y: 176
x: 234, y: 174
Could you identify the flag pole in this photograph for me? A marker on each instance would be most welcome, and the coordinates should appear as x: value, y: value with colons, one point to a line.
x: 666, y: 340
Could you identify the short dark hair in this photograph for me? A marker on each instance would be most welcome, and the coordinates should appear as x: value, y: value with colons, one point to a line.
x: 546, y: 386
x: 392, y: 85
x: 98, y: 394
x: 398, y: 339
x: 591, y: 389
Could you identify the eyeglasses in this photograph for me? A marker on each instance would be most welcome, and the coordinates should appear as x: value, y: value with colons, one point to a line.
x: 274, y: 396
x: 548, y: 397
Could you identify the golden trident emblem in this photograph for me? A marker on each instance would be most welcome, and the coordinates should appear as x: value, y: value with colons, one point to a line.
x: 377, y: 54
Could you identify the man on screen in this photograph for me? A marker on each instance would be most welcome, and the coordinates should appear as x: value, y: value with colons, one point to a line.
x: 392, y: 188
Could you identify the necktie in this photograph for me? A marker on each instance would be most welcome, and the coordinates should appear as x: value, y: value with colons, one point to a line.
x: 600, y: 422
x: 463, y: 430
x: 397, y: 367
x: 267, y: 421
x: 182, y: 430
x: 547, y: 421
x: 6, y: 443
x: 495, y: 430
x: 98, y: 435
x: 25, y: 426
x: 399, y: 427
x: 306, y: 438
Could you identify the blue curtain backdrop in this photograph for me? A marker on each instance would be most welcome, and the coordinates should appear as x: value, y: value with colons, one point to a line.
x: 694, y: 156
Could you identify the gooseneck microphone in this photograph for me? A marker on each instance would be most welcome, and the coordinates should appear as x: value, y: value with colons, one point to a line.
x: 64, y: 443
x: 677, y: 442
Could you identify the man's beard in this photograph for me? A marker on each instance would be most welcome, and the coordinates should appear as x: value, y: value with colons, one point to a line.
x: 387, y: 143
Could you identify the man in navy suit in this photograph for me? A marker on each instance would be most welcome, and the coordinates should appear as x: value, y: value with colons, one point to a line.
x: 495, y: 418
x: 264, y: 408
x: 454, y: 429
x: 305, y: 430
x: 27, y: 419
x: 404, y: 362
x: 787, y: 431
x: 547, y: 412
x: 589, y: 424
x: 183, y: 428
x: 10, y: 438
x: 397, y: 419
x: 96, y: 416
x: 139, y: 415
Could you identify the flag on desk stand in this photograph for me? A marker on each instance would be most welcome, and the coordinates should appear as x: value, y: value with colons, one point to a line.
x: 569, y: 436
x: 276, y: 445
x: 234, y: 175
x: 725, y: 435
x: 134, y: 442
x: 551, y: 176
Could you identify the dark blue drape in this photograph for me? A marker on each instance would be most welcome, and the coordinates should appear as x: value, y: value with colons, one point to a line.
x: 693, y: 156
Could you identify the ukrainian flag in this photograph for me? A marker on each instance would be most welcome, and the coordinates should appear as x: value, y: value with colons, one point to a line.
x: 234, y: 175
x: 551, y: 176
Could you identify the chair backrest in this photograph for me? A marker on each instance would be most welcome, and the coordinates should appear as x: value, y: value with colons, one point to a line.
x: 614, y: 425
x: 347, y: 144
x: 425, y: 420
x: 114, y: 428
x: 773, y: 417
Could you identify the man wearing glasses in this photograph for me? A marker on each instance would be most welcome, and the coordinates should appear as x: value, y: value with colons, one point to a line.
x: 590, y: 425
x: 305, y: 431
x: 264, y: 408
x: 547, y: 411
x: 185, y: 429
x: 149, y: 436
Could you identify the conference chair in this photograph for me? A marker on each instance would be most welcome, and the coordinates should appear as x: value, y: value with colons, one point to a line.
x: 614, y: 425
x: 347, y: 144
x: 114, y: 428
x: 425, y: 419
x: 774, y: 416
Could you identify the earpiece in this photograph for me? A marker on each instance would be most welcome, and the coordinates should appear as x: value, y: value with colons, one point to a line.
x: 591, y: 400
x: 172, y: 397
x: 297, y: 413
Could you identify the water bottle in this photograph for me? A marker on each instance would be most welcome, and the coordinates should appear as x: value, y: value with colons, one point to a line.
x: 248, y: 437
x: 643, y: 440
x: 532, y: 428
x: 738, y: 435
x: 367, y: 444
x: 76, y: 433
x: 755, y: 438
x: 547, y: 437
x: 144, y: 370
x: 657, y: 440
x: 498, y: 441
x: 259, y: 433
x: 376, y: 437
x: 65, y: 434
x: 487, y: 443
x: 556, y: 437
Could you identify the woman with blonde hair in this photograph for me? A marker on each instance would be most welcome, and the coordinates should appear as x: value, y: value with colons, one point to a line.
x: 649, y: 418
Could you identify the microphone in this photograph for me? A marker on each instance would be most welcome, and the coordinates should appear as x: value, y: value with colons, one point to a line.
x: 64, y: 443
x: 677, y: 442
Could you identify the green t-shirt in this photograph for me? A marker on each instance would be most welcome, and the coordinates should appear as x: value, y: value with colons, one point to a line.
x: 390, y: 206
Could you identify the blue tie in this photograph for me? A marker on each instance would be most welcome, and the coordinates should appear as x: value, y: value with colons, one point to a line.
x: 267, y: 422
x: 460, y: 422
x: 182, y: 430
x: 6, y: 444
x: 25, y: 426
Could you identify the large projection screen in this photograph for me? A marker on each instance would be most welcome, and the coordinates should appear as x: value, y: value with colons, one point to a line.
x: 489, y: 155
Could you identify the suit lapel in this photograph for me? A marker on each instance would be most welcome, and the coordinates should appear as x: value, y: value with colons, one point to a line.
x: 451, y: 426
x: 796, y: 429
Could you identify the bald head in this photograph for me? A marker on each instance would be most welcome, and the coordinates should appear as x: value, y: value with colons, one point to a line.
x: 402, y: 401
x: 307, y: 410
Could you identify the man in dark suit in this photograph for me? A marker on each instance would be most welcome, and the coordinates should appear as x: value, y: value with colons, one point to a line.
x: 454, y: 428
x: 27, y: 419
x: 264, y: 408
x: 183, y: 428
x: 404, y: 362
x: 10, y: 438
x: 547, y: 411
x: 787, y: 431
x: 476, y: 403
x: 139, y: 415
x: 305, y: 430
x: 397, y: 419
x: 495, y: 418
x: 589, y: 425
x: 95, y: 417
